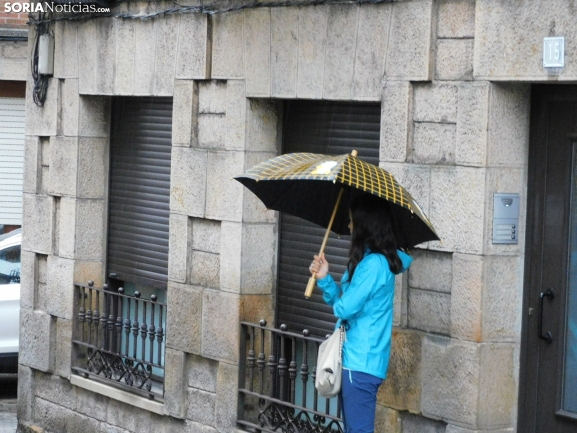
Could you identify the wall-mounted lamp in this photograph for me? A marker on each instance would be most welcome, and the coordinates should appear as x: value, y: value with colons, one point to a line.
x: 46, y: 54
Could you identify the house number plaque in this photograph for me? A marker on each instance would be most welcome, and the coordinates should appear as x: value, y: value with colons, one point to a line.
x: 554, y: 52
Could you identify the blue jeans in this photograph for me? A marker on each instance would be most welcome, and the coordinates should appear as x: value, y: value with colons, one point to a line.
x: 359, y: 401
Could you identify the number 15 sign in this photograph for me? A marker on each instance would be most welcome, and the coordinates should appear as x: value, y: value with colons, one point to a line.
x: 554, y: 52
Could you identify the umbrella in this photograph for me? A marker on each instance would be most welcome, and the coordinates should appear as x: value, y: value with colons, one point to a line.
x: 311, y: 186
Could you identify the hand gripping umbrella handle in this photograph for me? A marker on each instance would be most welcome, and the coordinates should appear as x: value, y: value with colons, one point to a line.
x: 313, y: 278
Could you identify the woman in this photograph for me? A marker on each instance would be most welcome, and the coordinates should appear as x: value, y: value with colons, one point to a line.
x: 365, y: 302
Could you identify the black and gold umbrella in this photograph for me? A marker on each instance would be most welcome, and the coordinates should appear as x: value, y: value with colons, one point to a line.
x: 311, y: 186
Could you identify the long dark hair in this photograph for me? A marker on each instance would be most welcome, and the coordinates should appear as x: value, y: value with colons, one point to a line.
x: 372, y: 229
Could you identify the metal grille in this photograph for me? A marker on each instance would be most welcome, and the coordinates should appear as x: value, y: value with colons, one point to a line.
x: 277, y: 390
x: 332, y: 128
x: 120, y: 339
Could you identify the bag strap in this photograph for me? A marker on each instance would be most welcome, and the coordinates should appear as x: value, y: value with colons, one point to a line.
x: 341, y: 341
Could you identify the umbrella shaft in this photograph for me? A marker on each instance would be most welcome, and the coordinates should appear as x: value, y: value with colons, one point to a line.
x: 328, y: 232
x: 312, y: 280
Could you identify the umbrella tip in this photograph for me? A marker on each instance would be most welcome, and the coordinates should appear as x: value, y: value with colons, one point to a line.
x: 354, y: 152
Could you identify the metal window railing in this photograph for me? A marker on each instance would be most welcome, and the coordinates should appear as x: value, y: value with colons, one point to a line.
x: 275, y: 394
x: 119, y: 339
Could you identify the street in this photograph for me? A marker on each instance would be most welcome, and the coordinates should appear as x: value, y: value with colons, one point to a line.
x: 8, y: 405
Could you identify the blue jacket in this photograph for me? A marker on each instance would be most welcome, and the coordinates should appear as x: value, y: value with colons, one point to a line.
x: 366, y: 304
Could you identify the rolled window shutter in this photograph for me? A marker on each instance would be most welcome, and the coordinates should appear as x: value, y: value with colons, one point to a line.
x: 329, y: 128
x: 139, y: 197
x: 12, y: 118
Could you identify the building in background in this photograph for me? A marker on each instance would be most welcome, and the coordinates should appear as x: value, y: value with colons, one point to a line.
x: 13, y: 72
x: 154, y: 287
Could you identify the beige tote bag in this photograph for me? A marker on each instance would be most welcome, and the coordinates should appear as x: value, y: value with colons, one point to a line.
x: 330, y: 364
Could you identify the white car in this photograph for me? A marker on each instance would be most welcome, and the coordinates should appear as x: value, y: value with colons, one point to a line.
x: 9, y: 301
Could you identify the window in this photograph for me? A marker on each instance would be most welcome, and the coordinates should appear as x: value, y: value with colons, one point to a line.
x: 10, y: 265
x: 120, y: 334
x: 140, y: 191
x: 12, y: 137
x: 278, y: 391
x: 329, y: 128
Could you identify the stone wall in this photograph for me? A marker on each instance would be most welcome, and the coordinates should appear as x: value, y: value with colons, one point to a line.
x: 512, y: 42
x: 467, y: 139
x: 460, y: 314
x: 13, y: 47
x: 13, y: 56
x: 449, y: 135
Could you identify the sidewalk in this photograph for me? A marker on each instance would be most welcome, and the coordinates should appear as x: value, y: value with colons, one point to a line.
x: 8, y: 415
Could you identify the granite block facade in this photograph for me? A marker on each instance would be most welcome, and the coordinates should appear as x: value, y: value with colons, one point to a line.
x: 449, y: 133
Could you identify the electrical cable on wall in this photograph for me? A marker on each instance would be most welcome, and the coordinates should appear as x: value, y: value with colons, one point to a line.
x: 211, y: 9
x: 44, y: 19
x: 40, y: 80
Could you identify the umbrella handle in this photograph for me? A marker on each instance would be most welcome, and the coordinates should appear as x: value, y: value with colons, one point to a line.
x: 311, y: 285
x: 313, y: 278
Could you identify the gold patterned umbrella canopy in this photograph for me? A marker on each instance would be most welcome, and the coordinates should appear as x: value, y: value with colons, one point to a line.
x: 307, y: 185
x: 311, y: 186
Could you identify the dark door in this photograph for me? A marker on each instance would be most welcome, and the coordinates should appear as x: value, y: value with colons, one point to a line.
x: 548, y: 387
